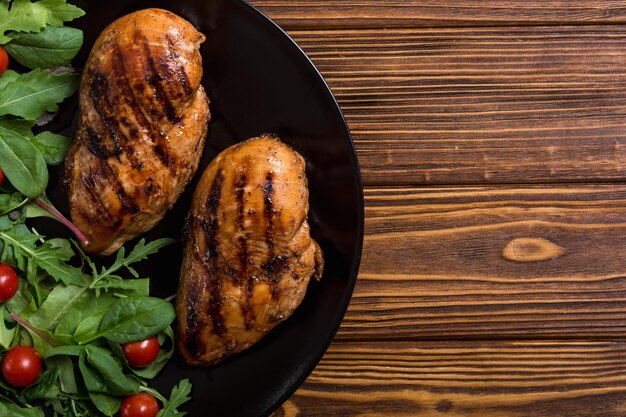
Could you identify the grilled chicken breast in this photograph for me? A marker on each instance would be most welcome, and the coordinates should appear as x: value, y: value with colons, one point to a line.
x: 142, y: 125
x: 249, y: 255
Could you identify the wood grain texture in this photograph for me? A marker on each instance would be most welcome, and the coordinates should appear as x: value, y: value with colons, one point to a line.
x: 479, y: 379
x: 488, y: 105
x: 431, y: 13
x: 434, y: 264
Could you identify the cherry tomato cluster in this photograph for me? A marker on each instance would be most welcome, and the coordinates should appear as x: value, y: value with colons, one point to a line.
x: 21, y: 365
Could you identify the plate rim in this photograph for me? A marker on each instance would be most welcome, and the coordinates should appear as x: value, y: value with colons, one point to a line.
x: 356, y: 260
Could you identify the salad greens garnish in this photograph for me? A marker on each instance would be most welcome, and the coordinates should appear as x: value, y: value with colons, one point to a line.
x: 77, y: 315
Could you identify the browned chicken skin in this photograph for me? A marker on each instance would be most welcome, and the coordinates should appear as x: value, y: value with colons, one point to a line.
x: 142, y: 125
x: 249, y: 256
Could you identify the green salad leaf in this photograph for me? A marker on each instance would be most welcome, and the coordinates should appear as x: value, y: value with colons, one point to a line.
x: 53, y: 147
x: 52, y: 47
x: 34, y: 93
x: 179, y: 396
x: 24, y: 16
x: 22, y: 162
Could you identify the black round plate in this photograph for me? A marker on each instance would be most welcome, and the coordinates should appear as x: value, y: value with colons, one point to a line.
x: 258, y: 81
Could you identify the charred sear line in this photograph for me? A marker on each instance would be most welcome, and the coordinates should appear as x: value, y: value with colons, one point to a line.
x: 129, y: 95
x: 97, y: 146
x: 276, y: 264
x: 100, y: 214
x: 128, y: 203
x: 240, y: 185
x: 246, y: 307
x: 268, y: 212
x: 194, y: 322
x: 211, y: 257
x: 174, y: 59
x: 156, y: 80
x: 104, y: 104
x: 168, y: 160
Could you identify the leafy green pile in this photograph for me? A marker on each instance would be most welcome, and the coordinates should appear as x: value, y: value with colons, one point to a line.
x: 76, y: 317
x: 77, y: 321
x: 34, y: 35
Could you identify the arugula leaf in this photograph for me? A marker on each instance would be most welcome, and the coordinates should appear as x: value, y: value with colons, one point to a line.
x: 22, y: 162
x: 179, y: 396
x: 24, y: 16
x: 10, y: 409
x: 53, y: 147
x: 132, y: 319
x: 59, y: 11
x: 36, y: 92
x: 50, y: 48
x: 19, y: 244
x: 10, y: 202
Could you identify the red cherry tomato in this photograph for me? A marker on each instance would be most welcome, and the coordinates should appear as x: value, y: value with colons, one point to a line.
x: 8, y: 283
x: 143, y: 353
x: 21, y: 366
x: 139, y: 405
x: 4, y: 61
x: 1, y: 177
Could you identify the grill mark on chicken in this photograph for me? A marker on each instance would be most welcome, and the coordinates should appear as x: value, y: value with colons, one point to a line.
x: 97, y: 146
x: 100, y: 211
x: 128, y: 203
x: 98, y: 93
x: 128, y: 93
x: 173, y: 59
x: 194, y: 321
x: 154, y: 79
x: 268, y: 211
x: 246, y: 308
x: 210, y: 260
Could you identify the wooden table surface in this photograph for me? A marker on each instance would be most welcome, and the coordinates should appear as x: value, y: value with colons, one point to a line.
x: 492, y: 140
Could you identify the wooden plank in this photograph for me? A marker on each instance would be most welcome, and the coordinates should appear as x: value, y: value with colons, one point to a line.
x: 499, y: 105
x: 541, y: 262
x: 480, y: 379
x: 433, y: 13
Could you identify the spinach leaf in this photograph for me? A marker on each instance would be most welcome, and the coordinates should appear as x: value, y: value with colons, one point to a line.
x: 103, y: 373
x: 22, y: 163
x: 50, y: 48
x: 25, y: 16
x: 53, y: 147
x: 56, y: 306
x: 132, y: 319
x: 32, y: 94
x: 179, y: 396
x: 107, y: 404
x: 44, y: 389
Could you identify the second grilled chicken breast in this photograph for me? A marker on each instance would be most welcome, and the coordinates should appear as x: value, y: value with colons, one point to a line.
x: 249, y: 255
x: 142, y: 126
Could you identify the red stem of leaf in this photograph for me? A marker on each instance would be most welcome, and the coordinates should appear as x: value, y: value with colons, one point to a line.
x: 79, y: 235
x: 31, y: 328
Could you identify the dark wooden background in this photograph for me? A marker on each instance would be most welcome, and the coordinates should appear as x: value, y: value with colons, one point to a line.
x: 492, y: 139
